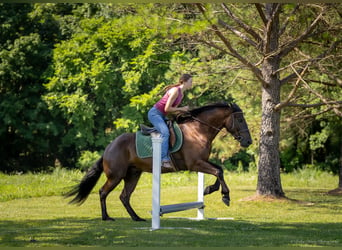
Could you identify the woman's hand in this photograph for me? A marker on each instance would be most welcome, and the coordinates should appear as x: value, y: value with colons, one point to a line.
x: 184, y: 109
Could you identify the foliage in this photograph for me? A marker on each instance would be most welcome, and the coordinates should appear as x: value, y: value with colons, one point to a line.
x: 87, y: 160
x: 319, y: 146
x: 75, y: 76
x: 27, y: 127
x: 98, y: 72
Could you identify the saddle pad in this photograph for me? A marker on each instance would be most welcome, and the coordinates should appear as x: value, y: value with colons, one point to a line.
x: 143, y: 143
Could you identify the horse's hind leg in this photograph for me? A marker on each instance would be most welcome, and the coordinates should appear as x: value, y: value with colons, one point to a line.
x: 104, y: 191
x: 131, y: 181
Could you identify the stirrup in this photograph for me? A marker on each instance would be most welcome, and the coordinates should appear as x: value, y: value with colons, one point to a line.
x: 145, y: 130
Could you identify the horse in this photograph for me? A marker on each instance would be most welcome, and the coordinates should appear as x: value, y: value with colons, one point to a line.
x: 199, y: 127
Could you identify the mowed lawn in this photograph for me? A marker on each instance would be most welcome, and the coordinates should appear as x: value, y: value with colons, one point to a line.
x: 33, y: 213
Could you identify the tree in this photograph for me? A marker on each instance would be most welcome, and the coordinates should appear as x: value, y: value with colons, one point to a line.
x: 27, y: 132
x: 28, y: 33
x: 73, y: 76
x: 278, y: 36
x: 98, y: 73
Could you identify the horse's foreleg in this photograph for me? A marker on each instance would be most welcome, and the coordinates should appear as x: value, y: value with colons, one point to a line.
x: 131, y: 181
x: 104, y: 191
x: 212, y: 168
x: 212, y: 188
x: 225, y: 189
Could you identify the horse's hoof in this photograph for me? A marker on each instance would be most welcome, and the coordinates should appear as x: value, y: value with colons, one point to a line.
x: 139, y: 219
x: 226, y: 201
x: 108, y: 219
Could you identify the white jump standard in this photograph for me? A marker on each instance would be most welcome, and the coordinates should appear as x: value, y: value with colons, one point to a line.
x: 158, y: 210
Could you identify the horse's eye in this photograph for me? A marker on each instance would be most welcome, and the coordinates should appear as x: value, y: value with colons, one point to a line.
x: 240, y: 120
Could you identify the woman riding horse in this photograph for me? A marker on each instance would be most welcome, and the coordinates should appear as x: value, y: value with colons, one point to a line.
x: 169, y: 104
x: 120, y: 161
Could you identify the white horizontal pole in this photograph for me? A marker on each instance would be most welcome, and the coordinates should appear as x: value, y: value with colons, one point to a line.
x: 180, y: 207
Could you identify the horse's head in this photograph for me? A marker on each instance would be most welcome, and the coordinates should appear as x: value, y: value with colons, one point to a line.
x: 237, y: 126
x: 233, y: 120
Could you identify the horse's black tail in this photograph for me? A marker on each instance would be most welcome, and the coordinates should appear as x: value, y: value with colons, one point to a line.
x: 83, y: 189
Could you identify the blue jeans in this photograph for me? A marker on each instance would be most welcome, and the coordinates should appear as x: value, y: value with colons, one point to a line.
x: 158, y: 121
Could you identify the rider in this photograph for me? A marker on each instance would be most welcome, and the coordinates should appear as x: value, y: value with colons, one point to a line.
x: 169, y: 104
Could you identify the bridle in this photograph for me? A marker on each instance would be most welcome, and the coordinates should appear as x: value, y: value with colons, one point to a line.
x: 205, y: 123
x: 238, y: 137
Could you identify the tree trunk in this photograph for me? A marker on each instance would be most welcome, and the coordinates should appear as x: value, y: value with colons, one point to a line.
x: 338, y: 190
x: 340, y: 180
x: 269, y: 162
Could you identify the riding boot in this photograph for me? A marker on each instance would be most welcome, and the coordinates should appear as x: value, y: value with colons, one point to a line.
x: 168, y: 165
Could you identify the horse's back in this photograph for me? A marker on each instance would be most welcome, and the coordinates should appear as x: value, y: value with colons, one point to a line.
x: 120, y: 145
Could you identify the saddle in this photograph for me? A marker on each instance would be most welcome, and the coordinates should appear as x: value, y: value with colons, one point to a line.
x: 145, y: 130
x: 143, y: 140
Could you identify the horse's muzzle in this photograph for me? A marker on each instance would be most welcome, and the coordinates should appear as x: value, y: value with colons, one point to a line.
x: 244, y: 142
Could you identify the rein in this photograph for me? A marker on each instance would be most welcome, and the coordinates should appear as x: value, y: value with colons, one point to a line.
x: 205, y: 123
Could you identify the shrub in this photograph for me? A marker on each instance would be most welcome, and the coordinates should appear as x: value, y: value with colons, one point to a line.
x: 87, y: 159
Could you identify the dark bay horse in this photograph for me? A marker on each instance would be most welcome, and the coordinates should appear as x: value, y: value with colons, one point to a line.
x: 199, y: 126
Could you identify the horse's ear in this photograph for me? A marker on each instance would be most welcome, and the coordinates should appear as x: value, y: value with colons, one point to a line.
x: 235, y: 107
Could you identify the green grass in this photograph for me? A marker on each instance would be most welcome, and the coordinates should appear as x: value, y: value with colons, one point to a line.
x: 34, y: 214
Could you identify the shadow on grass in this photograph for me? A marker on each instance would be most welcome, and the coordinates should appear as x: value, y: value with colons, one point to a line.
x: 127, y: 233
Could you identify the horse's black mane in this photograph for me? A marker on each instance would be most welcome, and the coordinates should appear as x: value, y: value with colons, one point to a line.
x: 184, y: 117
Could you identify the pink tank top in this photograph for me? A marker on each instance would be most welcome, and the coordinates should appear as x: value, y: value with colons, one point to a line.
x: 160, y: 105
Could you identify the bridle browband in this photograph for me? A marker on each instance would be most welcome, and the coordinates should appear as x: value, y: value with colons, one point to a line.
x: 236, y: 137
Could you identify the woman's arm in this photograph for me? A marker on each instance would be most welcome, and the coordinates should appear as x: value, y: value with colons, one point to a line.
x: 173, y: 94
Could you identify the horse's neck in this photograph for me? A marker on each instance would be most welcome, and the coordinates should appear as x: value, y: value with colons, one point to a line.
x: 215, y: 119
x: 211, y: 124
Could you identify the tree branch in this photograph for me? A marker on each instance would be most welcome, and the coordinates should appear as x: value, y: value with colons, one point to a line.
x: 314, y: 105
x: 269, y: 27
x: 281, y: 105
x: 261, y: 12
x: 321, y: 97
x: 312, y: 60
x: 287, y: 48
x: 238, y: 33
x: 290, y: 65
x: 233, y: 52
x: 283, y: 28
x: 306, y: 117
x: 211, y: 44
x: 330, y: 84
x: 243, y: 25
